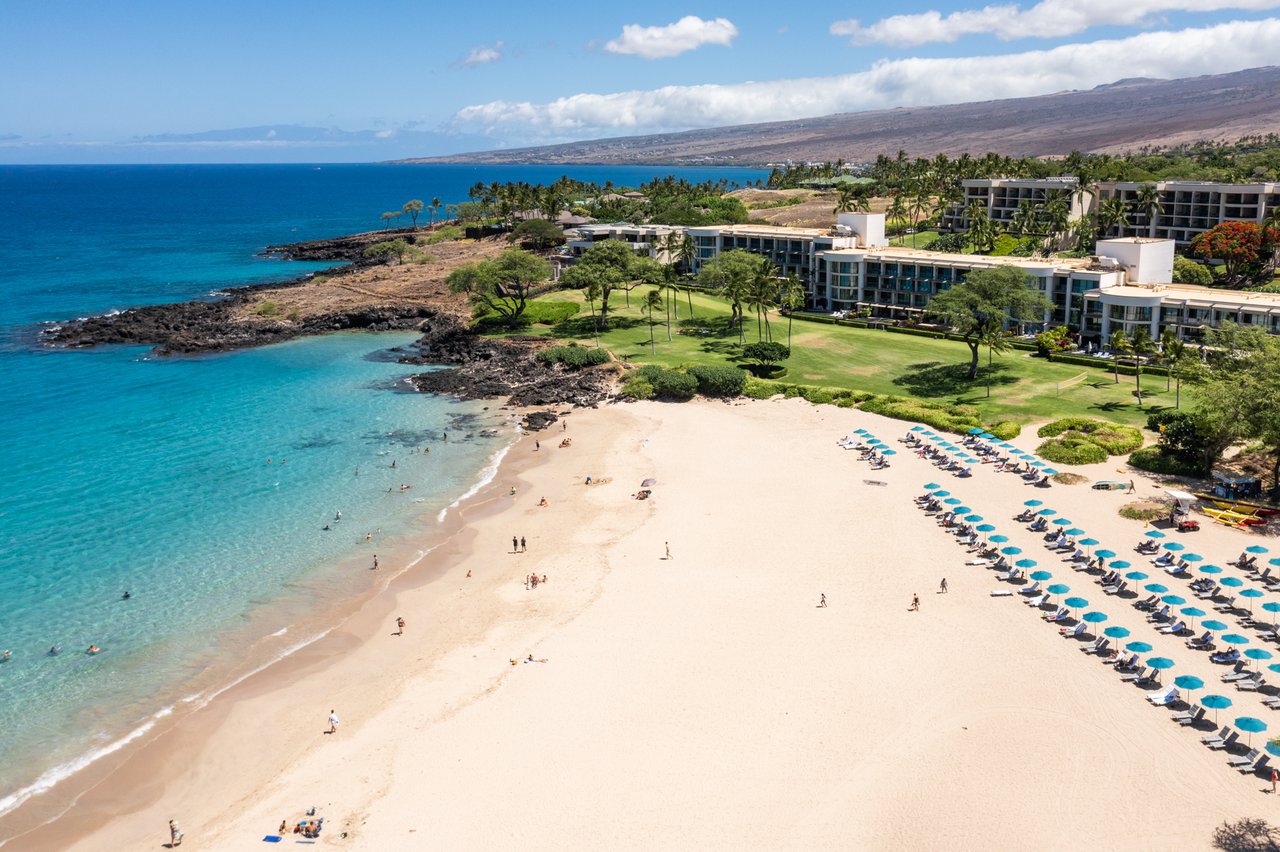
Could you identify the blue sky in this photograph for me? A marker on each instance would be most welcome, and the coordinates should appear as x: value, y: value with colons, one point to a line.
x: 278, y: 80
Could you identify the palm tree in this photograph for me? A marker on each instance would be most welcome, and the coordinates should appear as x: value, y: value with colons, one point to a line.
x: 1141, y: 344
x: 1112, y: 213
x: 435, y: 209
x: 1174, y: 355
x: 652, y: 301
x: 851, y: 198
x: 763, y: 294
x: 1147, y: 200
x: 1025, y: 220
x: 793, y: 297
x: 594, y: 291
x: 981, y: 231
x: 1119, y: 344
x: 1057, y: 215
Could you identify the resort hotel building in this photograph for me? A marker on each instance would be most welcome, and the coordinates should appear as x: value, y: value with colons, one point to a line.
x: 1183, y: 208
x: 1124, y: 286
x: 649, y: 240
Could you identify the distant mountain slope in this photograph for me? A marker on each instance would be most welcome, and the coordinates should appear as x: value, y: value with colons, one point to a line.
x: 1121, y: 115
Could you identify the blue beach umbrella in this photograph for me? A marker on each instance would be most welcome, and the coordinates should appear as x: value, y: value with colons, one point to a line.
x: 1192, y: 612
x: 1135, y: 575
x: 888, y: 452
x: 1156, y: 588
x: 1209, y: 569
x: 1116, y: 632
x: 1138, y: 647
x: 987, y: 436
x: 1273, y: 608
x: 1250, y: 726
x: 1088, y: 542
x: 1215, y: 703
x: 975, y: 431
x: 1174, y: 600
x: 1275, y: 667
x: 962, y: 510
x: 1257, y: 548
x: 1034, y: 503
x: 1062, y: 522
x: 917, y: 428
x: 1275, y: 561
x: 1193, y: 557
x: 1106, y: 554
x: 1047, y: 512
x: 1120, y: 565
x: 952, y: 501
x: 999, y: 539
x: 974, y: 519
x: 860, y: 431
x: 1173, y: 545
x: 1188, y: 682
x: 1094, y: 617
x: 1075, y: 531
x: 1232, y: 582
x: 986, y: 528
x: 1076, y: 603
x: 1037, y: 464
x: 1058, y: 589
x: 1154, y: 534
x: 1258, y: 654
x: 1011, y: 550
x: 1251, y: 594
x: 1048, y: 471
x: 1160, y: 663
x: 1214, y: 625
x: 942, y: 494
x: 1235, y: 639
x: 1041, y: 575
x: 1025, y: 563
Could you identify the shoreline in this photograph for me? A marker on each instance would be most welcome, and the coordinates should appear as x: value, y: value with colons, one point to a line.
x: 47, y: 798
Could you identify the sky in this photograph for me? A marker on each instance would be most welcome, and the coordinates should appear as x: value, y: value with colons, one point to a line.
x: 135, y: 81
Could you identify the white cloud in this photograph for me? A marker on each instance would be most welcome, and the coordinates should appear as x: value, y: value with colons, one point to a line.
x: 1046, y: 19
x: 688, y: 33
x: 1226, y: 47
x: 482, y: 55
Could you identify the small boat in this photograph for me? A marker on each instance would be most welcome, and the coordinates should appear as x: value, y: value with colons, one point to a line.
x: 1235, y: 519
x: 1109, y: 485
x: 1240, y: 505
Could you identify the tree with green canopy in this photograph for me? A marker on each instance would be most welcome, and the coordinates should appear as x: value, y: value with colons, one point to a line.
x: 413, y: 208
x: 1141, y: 344
x: 538, y: 233
x: 793, y: 297
x: 611, y: 265
x: 501, y: 286
x: 980, y: 306
x: 732, y: 274
x: 652, y: 301
x: 982, y: 232
x: 766, y: 353
x: 1119, y: 346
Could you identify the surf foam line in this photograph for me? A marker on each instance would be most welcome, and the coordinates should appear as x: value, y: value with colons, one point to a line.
x: 487, y: 475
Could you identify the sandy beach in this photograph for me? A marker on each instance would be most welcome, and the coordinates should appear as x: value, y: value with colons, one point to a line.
x: 703, y: 701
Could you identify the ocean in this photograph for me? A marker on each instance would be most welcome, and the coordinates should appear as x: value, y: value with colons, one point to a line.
x: 208, y: 487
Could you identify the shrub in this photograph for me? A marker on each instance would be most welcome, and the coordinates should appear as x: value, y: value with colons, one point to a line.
x: 267, y: 309
x: 1057, y: 427
x: 766, y: 353
x: 538, y: 311
x: 1072, y: 450
x: 1188, y: 439
x: 1005, y: 430
x: 1004, y: 245
x: 573, y: 356
x: 1154, y: 460
x: 1187, y: 271
x: 760, y: 388
x: 1135, y: 512
x: 1117, y: 440
x: 949, y: 418
x: 719, y: 380
x: 445, y: 233
x: 637, y: 387
x: 954, y: 243
x: 669, y: 384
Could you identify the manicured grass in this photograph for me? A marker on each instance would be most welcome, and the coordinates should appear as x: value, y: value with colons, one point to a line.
x: 916, y: 240
x: 1023, y: 387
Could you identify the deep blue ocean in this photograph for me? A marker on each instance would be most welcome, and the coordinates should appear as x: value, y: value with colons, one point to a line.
x: 200, y: 485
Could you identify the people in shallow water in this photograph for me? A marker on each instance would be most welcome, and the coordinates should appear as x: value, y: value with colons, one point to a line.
x: 4, y: 658
x: 54, y: 650
x: 125, y: 596
x: 93, y: 649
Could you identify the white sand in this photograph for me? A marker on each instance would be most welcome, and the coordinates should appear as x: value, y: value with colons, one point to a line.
x: 705, y: 702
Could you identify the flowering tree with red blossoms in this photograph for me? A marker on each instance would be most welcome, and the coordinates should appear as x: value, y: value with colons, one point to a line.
x: 1247, y: 250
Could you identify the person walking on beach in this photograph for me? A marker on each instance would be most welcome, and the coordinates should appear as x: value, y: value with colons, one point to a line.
x: 1132, y: 488
x: 667, y: 545
x: 515, y: 544
x: 822, y: 600
x: 523, y: 546
x: 536, y: 446
x: 375, y: 562
x: 915, y: 603
x: 942, y: 588
x: 175, y: 834
x: 333, y: 722
x: 400, y: 625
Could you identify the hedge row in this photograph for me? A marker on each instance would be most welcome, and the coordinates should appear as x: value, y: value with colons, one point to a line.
x: 1152, y: 459
x: 1113, y: 438
x: 1072, y: 449
x: 573, y: 356
x: 1108, y: 364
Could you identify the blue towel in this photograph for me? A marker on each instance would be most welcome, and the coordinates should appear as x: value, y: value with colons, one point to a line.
x: 272, y: 838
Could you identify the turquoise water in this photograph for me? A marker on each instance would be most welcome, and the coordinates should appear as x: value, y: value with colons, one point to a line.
x: 128, y: 472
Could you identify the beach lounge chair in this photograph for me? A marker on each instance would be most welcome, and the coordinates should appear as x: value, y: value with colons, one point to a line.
x: 1273, y: 702
x: 1227, y: 606
x: 1238, y: 672
x: 1116, y: 588
x: 1163, y: 697
x: 1133, y: 676
x: 1252, y: 683
x: 1033, y: 589
x: 1002, y: 593
x: 1037, y: 601
x: 1262, y: 767
x: 1211, y: 592
x: 1190, y: 716
x: 1246, y: 759
x: 1098, y: 646
x: 1123, y: 665
x: 981, y: 563
x: 1173, y: 629
x: 1061, y: 613
x: 1148, y: 603
x: 1176, y: 571
x: 1073, y: 632
x: 1218, y: 737
x: 1201, y: 643
x: 1151, y: 677
x: 1161, y: 615
x: 1164, y: 560
x: 1225, y: 743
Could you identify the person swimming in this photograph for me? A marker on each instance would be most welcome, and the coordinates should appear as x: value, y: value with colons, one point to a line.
x: 125, y: 596
x: 55, y: 650
x: 93, y: 649
x: 4, y: 658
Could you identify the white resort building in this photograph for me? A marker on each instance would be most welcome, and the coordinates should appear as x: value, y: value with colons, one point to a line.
x: 649, y: 240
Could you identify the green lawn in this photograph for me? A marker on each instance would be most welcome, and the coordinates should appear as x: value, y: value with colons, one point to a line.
x: 1023, y: 388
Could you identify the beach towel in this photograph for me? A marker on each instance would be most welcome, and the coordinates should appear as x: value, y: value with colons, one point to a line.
x: 272, y: 838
